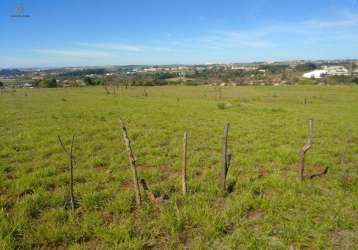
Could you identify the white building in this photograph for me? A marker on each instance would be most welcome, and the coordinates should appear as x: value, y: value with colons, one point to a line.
x: 336, y: 70
x: 27, y: 85
x: 318, y: 73
x: 327, y: 71
x: 151, y: 69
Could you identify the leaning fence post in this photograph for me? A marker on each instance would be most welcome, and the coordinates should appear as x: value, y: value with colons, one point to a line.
x: 70, y: 163
x: 183, y: 173
x: 132, y: 162
x: 225, y: 157
x: 304, y: 149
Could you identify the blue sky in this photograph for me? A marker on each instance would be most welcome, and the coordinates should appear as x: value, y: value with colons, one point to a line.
x: 74, y: 33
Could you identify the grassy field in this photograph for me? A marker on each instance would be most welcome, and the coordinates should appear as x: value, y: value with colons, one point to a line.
x: 267, y: 209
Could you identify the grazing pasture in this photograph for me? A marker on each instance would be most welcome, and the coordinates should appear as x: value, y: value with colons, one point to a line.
x: 267, y: 206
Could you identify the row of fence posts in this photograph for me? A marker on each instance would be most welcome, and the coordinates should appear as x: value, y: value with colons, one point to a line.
x: 226, y: 159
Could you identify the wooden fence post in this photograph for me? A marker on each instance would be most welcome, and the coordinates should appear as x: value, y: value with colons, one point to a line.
x: 304, y: 149
x: 70, y: 163
x: 183, y: 173
x: 132, y: 163
x: 225, y: 157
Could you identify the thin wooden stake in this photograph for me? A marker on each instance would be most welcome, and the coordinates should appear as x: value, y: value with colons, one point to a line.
x: 132, y: 163
x: 304, y: 149
x: 225, y: 158
x: 70, y: 159
x: 106, y: 89
x: 71, y: 175
x: 183, y: 173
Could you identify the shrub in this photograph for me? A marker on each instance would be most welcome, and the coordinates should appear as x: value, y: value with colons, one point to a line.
x: 221, y: 105
x: 91, y: 81
x: 306, y: 82
x: 190, y: 83
x: 48, y: 83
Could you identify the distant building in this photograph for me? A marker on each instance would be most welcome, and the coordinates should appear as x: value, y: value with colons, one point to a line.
x: 151, y: 69
x: 37, y: 78
x: 200, y: 68
x: 327, y: 71
x: 91, y: 75
x: 27, y: 85
x: 80, y: 83
x: 244, y: 68
x: 182, y: 68
x: 336, y: 70
x: 67, y: 83
x: 318, y: 73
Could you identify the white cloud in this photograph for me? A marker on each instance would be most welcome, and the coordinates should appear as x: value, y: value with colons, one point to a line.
x: 122, y: 47
x: 261, y: 38
x: 338, y: 28
x: 244, y: 38
x: 321, y: 24
x: 73, y: 53
x: 229, y: 40
x: 111, y: 46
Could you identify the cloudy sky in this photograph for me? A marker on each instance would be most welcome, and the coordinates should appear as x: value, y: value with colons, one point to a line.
x: 74, y: 33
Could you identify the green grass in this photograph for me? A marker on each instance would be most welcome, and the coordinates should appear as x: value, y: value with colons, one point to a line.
x: 268, y: 208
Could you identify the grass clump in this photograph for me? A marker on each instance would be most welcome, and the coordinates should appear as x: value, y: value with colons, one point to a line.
x: 224, y: 105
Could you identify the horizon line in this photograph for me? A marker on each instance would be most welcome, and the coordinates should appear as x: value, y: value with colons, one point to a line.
x: 186, y: 64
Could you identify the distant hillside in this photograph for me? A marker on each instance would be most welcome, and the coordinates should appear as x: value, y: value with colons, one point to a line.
x: 9, y: 72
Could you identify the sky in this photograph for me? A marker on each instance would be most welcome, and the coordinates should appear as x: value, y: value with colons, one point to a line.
x: 97, y: 33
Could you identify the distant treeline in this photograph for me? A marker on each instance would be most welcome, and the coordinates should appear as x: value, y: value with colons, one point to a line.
x: 84, y: 72
x: 263, y: 74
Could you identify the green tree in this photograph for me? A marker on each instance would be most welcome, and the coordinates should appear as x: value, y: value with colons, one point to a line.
x: 88, y: 81
x: 48, y: 83
x: 306, y: 67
